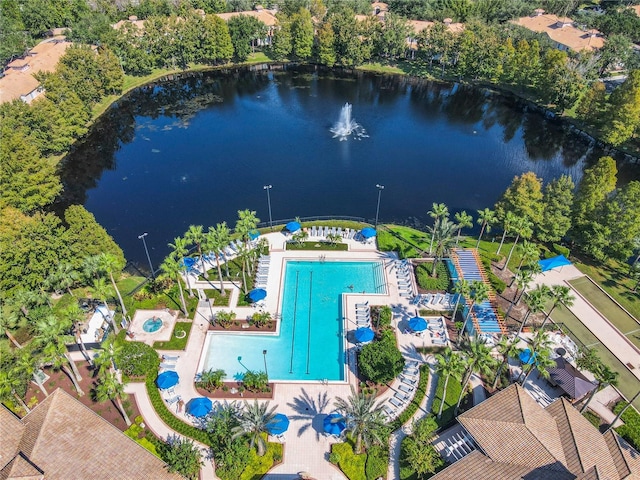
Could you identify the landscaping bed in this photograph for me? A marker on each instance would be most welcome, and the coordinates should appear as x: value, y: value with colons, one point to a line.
x: 235, y: 391
x: 243, y: 326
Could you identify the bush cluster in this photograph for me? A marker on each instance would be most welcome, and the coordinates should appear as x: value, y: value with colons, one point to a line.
x: 496, y: 283
x: 427, y: 282
x: 630, y: 431
x: 138, y: 359
x: 412, y: 408
x: 381, y: 361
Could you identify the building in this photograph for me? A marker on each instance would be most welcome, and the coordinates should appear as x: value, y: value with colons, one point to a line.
x: 18, y: 80
x: 63, y: 439
x: 510, y: 436
x: 562, y: 31
x: 268, y: 17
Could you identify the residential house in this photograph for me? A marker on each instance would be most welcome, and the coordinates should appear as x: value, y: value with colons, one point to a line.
x: 562, y: 31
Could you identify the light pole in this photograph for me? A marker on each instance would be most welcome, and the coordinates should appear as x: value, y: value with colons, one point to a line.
x: 146, y: 250
x: 380, y: 188
x: 267, y: 188
x: 264, y: 356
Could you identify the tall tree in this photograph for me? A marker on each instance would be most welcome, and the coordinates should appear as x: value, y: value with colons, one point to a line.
x: 448, y: 364
x: 507, y: 349
x: 302, y: 34
x: 253, y: 421
x: 326, y: 52
x: 522, y: 227
x: 245, y: 31
x: 363, y: 417
x: 179, y: 250
x: 196, y: 236
x: 464, y: 221
x: 556, y: 214
x: 438, y: 212
x: 102, y: 291
x: 508, y: 223
x: 443, y: 235
x: 536, y: 300
x: 622, y: 218
x: 478, y: 359
x: 461, y: 289
x: 64, y: 277
x: 109, y: 387
x: 623, y: 114
x: 523, y: 198
x: 478, y: 293
x: 172, y: 269
x: 486, y: 219
x: 221, y: 236
x: 109, y: 264
x: 561, y: 295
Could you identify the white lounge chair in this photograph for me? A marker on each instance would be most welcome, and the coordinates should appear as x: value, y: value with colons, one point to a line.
x: 405, y: 388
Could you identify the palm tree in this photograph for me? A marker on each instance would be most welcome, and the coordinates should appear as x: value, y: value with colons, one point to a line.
x: 542, y: 363
x: 64, y: 277
x: 247, y: 222
x: 561, y: 294
x: 51, y: 338
x: 508, y: 349
x: 108, y: 263
x: 90, y: 267
x: 507, y: 227
x: 74, y: 315
x: 604, y: 376
x: 540, y: 348
x: 464, y: 221
x: 443, y: 234
x: 438, y: 211
x: 171, y: 268
x: 478, y: 292
x: 10, y: 381
x: 478, y: 360
x: 486, y: 218
x: 109, y: 387
x: 179, y: 250
x: 28, y: 362
x: 253, y: 421
x: 220, y: 238
x: 536, y: 300
x: 6, y: 323
x: 107, y: 357
x: 462, y: 289
x: 196, y: 235
x: 530, y: 253
x: 449, y: 364
x: 101, y: 290
x: 363, y: 417
x: 522, y: 279
x: 522, y: 228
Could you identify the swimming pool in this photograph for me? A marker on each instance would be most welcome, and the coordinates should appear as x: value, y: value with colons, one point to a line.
x: 310, y: 345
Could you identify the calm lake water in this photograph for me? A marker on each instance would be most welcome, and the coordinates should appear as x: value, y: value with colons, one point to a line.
x: 198, y: 149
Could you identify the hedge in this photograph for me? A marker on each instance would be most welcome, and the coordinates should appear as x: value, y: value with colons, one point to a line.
x: 630, y: 431
x: 377, y: 462
x: 412, y: 408
x: 352, y: 465
x: 258, y: 466
x: 169, y: 418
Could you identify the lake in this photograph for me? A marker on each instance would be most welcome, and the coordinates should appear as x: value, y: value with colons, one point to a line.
x: 197, y: 149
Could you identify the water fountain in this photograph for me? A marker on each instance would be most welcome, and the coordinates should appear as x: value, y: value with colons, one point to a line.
x: 347, y: 126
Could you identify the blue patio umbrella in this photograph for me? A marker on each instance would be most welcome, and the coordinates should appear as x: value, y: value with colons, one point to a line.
x: 257, y: 294
x: 334, y: 424
x: 417, y: 324
x: 526, y: 357
x: 188, y: 262
x: 278, y: 424
x: 167, y: 380
x: 368, y: 232
x: 199, y: 407
x: 363, y: 335
x: 292, y: 226
x: 254, y: 234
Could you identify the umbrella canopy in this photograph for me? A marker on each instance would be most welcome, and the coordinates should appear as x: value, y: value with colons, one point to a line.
x: 363, y: 335
x: 253, y: 234
x: 278, y: 424
x: 334, y: 424
x: 526, y: 357
x: 292, y: 226
x: 555, y: 262
x: 417, y: 324
x: 188, y: 262
x: 199, y: 407
x: 167, y: 380
x: 368, y: 232
x: 257, y: 294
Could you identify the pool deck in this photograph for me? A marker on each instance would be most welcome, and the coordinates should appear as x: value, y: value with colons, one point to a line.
x: 306, y: 446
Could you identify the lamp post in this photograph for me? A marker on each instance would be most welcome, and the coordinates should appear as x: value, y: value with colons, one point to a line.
x: 267, y: 188
x: 264, y: 356
x: 146, y: 250
x: 380, y: 188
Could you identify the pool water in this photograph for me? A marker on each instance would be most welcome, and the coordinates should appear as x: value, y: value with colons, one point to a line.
x: 152, y: 325
x: 310, y: 345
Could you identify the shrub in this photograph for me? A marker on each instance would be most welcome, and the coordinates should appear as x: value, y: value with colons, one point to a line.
x: 377, y: 462
x: 630, y: 431
x: 137, y: 359
x: 412, y: 408
x: 381, y: 361
x: 385, y: 315
x: 334, y: 458
x: 593, y: 418
x: 260, y: 319
x: 426, y: 281
x: 258, y: 466
x: 496, y: 283
x: 225, y: 319
x: 352, y: 465
x: 256, y: 381
x: 211, y: 379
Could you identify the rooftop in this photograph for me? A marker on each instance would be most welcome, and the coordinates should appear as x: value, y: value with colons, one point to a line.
x: 562, y: 31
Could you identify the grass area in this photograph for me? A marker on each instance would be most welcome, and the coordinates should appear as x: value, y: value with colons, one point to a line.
x: 610, y: 309
x: 407, y: 241
x: 216, y: 297
x: 630, y: 431
x: 627, y: 381
x: 176, y: 343
x: 318, y: 246
x: 612, y: 278
x: 378, y: 67
x: 454, y: 388
x: 593, y: 418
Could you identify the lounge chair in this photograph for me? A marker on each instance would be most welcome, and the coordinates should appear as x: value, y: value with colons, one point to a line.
x: 168, y: 366
x: 405, y: 388
x: 395, y: 402
x: 364, y: 304
x: 170, y: 358
x: 408, y: 380
x: 390, y: 412
x: 172, y: 400
x: 401, y: 397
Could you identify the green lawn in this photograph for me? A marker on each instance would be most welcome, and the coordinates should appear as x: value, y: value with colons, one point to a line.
x: 454, y: 387
x: 317, y: 246
x: 176, y: 343
x: 627, y: 381
x: 609, y: 309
